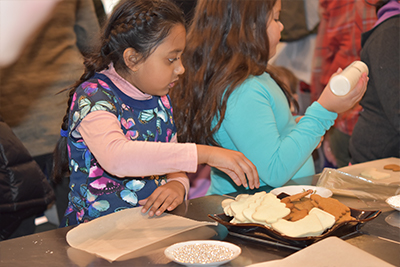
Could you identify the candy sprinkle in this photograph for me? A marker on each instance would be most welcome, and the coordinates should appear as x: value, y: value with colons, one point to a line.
x: 202, y: 253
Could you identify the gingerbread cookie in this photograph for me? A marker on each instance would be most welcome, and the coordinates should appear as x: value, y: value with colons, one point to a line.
x: 393, y: 167
x: 297, y: 196
x: 299, y: 205
x: 295, y: 215
x: 332, y: 206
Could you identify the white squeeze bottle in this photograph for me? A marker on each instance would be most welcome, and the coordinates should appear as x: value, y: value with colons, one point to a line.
x: 342, y: 83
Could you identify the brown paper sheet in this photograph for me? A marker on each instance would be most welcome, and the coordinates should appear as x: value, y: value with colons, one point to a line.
x: 329, y: 252
x: 123, y: 232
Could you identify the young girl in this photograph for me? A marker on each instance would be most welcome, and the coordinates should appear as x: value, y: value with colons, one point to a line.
x: 227, y: 99
x: 119, y: 122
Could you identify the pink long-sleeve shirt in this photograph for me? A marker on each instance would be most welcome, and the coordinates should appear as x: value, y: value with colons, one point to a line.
x: 102, y: 133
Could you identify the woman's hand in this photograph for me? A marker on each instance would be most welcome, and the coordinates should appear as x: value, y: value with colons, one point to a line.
x: 165, y: 197
x: 231, y: 162
x: 340, y: 104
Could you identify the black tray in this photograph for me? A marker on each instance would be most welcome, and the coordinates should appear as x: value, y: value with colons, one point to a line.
x: 266, y: 234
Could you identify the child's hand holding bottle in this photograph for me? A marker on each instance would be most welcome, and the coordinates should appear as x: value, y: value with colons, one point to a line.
x: 338, y: 103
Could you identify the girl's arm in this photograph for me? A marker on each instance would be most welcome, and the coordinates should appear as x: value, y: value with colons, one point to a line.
x: 254, y: 128
x: 102, y: 133
x: 258, y: 123
x: 117, y: 155
x: 122, y: 157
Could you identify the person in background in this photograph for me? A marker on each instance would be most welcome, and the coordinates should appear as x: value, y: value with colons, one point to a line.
x: 338, y: 44
x: 376, y: 134
x: 52, y: 60
x: 225, y: 98
x: 18, y: 22
x: 118, y: 135
x: 100, y: 12
x: 25, y: 191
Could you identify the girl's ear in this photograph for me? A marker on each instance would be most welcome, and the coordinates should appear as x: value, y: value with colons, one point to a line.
x: 131, y: 58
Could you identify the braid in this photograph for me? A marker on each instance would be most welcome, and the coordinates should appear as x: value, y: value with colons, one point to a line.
x: 139, y: 20
x: 92, y: 64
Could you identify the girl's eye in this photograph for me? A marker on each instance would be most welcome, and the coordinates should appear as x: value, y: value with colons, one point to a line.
x: 171, y: 60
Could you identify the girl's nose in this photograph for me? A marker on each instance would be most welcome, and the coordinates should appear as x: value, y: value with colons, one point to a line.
x: 180, y: 69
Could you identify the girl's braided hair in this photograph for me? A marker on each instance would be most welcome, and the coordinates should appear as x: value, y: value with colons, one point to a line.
x: 138, y: 24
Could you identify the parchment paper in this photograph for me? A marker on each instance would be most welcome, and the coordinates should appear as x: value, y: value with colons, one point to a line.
x: 344, y: 183
x: 356, y: 170
x: 329, y: 252
x: 123, y: 232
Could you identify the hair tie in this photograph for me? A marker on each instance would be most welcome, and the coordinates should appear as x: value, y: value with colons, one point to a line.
x: 63, y: 133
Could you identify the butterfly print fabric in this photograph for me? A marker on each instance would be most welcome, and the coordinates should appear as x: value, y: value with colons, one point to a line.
x: 94, y: 192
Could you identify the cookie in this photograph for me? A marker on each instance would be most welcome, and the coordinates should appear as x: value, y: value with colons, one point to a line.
x: 299, y: 205
x: 270, y: 213
x: 295, y: 215
x: 373, y: 173
x: 308, y: 226
x: 393, y: 167
x: 326, y: 219
x: 332, y: 206
x: 248, y: 213
x: 303, y: 204
x: 226, y: 205
x: 297, y: 196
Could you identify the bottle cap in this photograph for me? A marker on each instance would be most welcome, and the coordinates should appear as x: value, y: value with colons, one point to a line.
x: 340, y: 85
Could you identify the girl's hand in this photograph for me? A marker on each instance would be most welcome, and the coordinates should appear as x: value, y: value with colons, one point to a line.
x: 298, y: 119
x: 231, y: 162
x: 340, y: 104
x: 165, y: 197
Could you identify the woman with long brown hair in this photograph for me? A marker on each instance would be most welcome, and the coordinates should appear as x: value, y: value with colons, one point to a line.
x: 225, y: 98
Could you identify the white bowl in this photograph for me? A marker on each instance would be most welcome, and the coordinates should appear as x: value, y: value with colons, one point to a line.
x: 169, y: 252
x: 394, y: 202
x: 295, y: 189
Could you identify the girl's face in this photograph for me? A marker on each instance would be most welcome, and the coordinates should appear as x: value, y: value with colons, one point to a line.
x: 159, y: 72
x: 274, y: 28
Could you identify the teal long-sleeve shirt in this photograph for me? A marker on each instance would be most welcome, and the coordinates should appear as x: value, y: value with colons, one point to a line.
x: 258, y: 122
